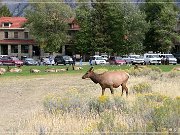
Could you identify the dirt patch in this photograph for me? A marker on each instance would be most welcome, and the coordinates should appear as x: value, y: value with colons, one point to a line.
x: 19, y: 97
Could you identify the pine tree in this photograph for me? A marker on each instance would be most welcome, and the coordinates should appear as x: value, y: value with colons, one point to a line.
x: 4, y: 11
x: 162, y: 16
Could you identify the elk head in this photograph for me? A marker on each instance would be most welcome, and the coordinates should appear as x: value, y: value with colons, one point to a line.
x: 88, y: 73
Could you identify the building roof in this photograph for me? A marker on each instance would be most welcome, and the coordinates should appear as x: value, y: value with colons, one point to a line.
x: 16, y: 22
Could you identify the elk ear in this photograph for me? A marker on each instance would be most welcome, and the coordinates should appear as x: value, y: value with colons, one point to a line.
x: 91, y: 69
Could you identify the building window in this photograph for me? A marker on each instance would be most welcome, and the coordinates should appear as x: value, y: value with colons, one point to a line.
x: 26, y: 35
x: 24, y: 48
x: 15, y: 34
x: 14, y: 48
x: 6, y: 24
x: 5, y: 34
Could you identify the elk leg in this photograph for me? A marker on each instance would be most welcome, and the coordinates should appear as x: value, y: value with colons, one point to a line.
x: 125, y: 88
x: 103, y: 90
x: 122, y: 90
x: 112, y: 90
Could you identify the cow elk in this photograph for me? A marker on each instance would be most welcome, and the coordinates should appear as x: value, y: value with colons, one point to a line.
x: 62, y: 69
x: 77, y: 68
x: 35, y: 71
x: 14, y: 70
x: 176, y: 68
x: 109, y: 79
x: 3, y: 70
x: 50, y: 70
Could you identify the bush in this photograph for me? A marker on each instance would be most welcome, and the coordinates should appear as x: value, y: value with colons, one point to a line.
x: 116, y: 103
x: 71, y: 101
x: 156, y: 69
x: 154, y: 75
x: 159, y: 112
x: 144, y: 71
x: 142, y: 88
x: 100, y: 104
x: 173, y: 74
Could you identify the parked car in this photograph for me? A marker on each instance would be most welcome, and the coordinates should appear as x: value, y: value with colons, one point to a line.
x: 116, y: 60
x: 30, y: 61
x: 177, y: 56
x: 96, y: 60
x: 105, y: 57
x: 3, y: 56
x: 46, y: 61
x: 152, y: 58
x: 10, y: 61
x: 169, y: 58
x: 128, y: 59
x: 138, y: 60
x: 63, y: 59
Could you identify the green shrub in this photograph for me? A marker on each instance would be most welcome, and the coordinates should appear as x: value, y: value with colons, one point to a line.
x: 143, y: 71
x: 154, y: 75
x: 143, y: 87
x: 71, y: 101
x: 116, y: 103
x: 173, y: 74
x: 106, y: 123
x: 156, y: 69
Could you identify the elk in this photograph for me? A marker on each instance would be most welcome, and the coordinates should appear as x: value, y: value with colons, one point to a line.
x: 139, y: 67
x: 50, y: 70
x: 62, y: 69
x: 176, y: 68
x: 77, y: 68
x: 3, y: 70
x: 1, y: 73
x: 109, y: 79
x: 34, y: 71
x: 14, y: 69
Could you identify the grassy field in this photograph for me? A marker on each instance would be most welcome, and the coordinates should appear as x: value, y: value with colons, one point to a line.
x: 26, y: 69
x: 59, y: 103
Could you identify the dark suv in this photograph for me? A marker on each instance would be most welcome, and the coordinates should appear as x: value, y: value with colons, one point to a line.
x: 65, y: 59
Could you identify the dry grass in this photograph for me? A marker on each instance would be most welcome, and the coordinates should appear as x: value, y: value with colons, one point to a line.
x: 22, y: 111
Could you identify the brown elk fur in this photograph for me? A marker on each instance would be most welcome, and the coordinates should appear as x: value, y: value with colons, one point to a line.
x: 34, y: 71
x: 109, y: 80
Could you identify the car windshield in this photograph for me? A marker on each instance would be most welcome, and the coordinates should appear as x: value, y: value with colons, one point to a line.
x: 135, y: 56
x: 66, y: 57
x: 140, y: 57
x: 155, y: 56
x: 45, y: 59
x: 99, y: 58
x: 118, y: 58
x: 169, y: 56
x: 29, y: 59
x: 14, y: 58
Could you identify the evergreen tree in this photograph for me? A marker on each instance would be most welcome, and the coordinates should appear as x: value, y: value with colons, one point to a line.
x: 83, y: 36
x: 162, y: 16
x: 111, y: 27
x: 4, y: 11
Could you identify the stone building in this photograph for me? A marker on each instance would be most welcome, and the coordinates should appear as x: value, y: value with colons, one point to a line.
x: 15, y: 40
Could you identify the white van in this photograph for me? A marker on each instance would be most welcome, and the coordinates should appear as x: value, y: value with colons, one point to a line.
x: 152, y: 58
x: 96, y: 60
x: 171, y: 59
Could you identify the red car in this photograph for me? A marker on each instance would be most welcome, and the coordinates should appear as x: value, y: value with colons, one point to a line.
x: 10, y: 61
x: 116, y: 60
